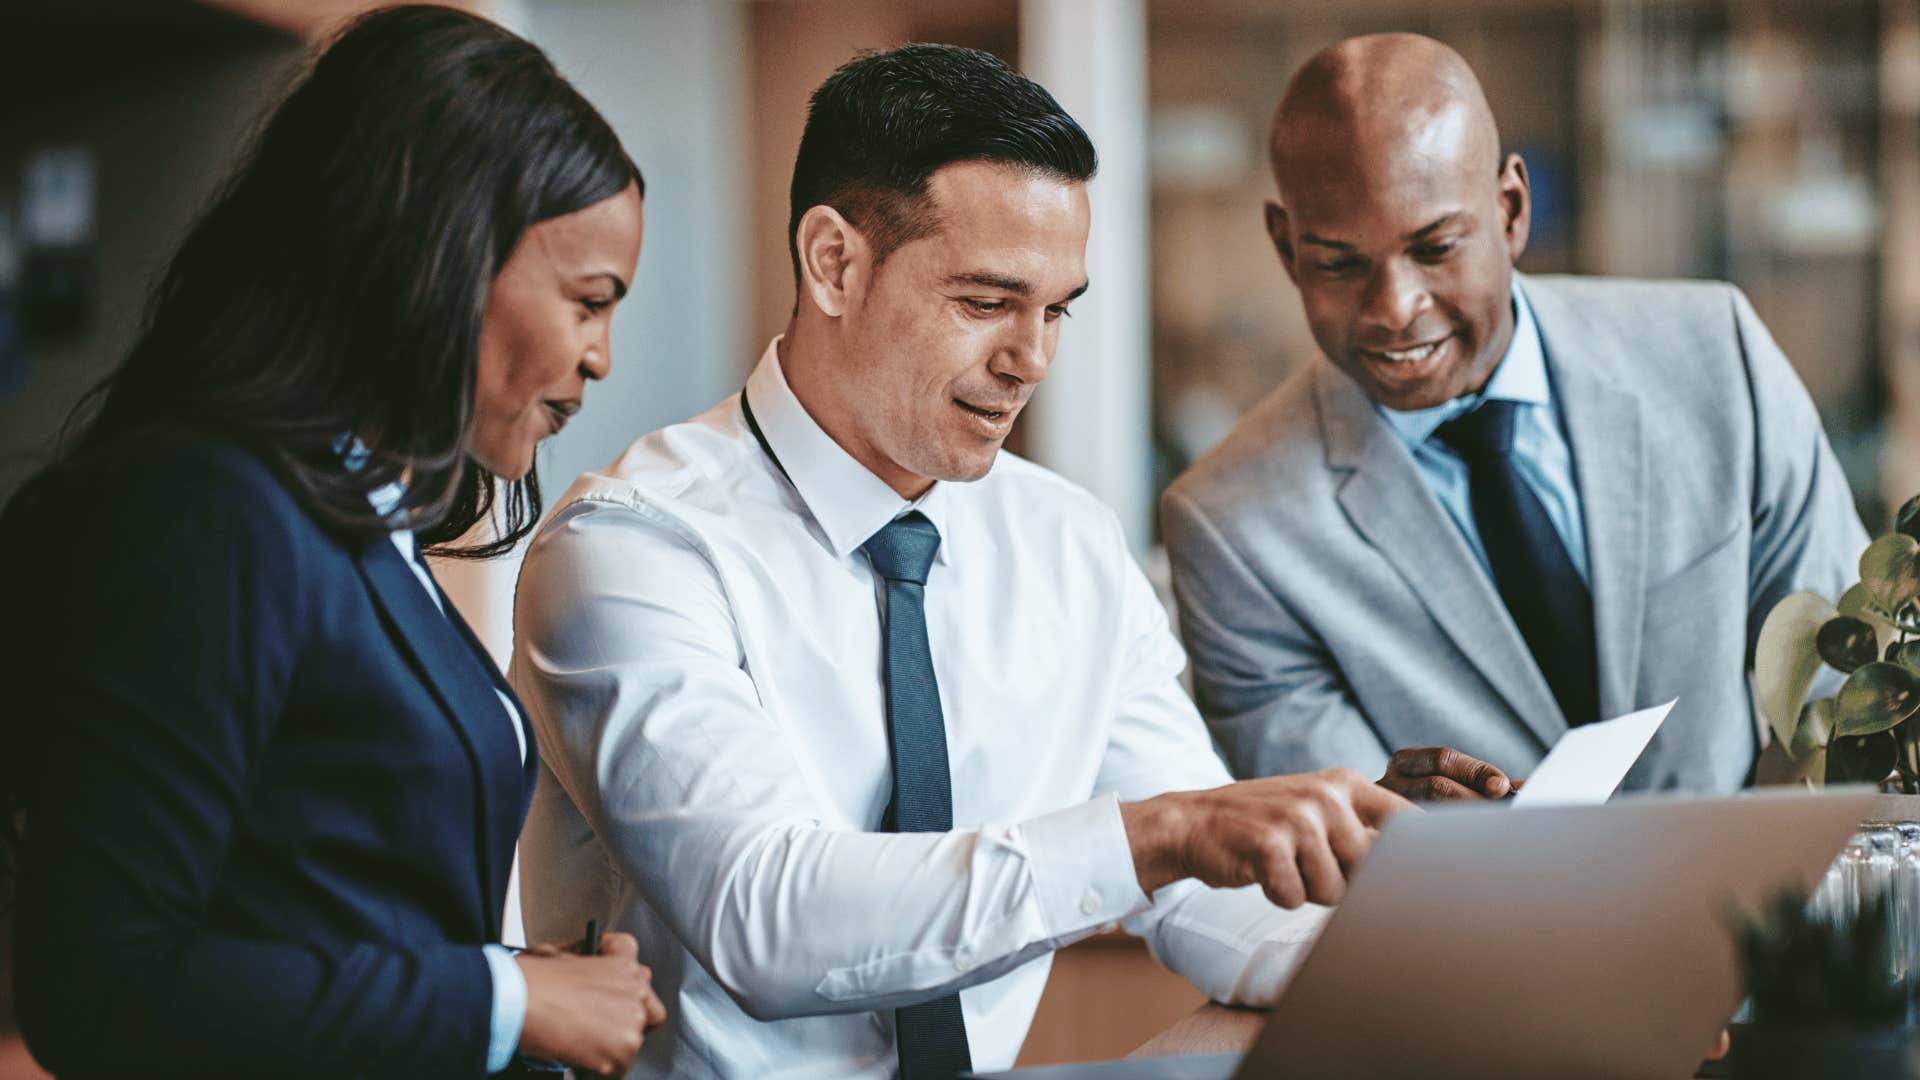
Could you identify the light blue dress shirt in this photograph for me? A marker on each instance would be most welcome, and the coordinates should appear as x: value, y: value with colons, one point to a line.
x: 509, y: 1007
x: 1541, y: 452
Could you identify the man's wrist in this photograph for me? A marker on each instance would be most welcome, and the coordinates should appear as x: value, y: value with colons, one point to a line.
x: 1154, y: 835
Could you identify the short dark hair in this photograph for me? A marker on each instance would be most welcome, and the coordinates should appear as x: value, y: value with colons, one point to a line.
x: 885, y: 122
x: 337, y: 282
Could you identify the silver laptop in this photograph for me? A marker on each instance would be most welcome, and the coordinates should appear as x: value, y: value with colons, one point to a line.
x: 1576, y: 941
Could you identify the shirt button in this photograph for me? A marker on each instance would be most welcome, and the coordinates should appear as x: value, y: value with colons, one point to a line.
x: 1090, y: 903
x: 963, y: 959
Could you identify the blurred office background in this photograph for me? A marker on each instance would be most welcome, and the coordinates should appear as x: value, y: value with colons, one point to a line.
x: 1775, y: 143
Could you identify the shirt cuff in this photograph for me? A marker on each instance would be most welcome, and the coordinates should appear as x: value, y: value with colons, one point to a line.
x: 1083, y: 868
x: 1276, y: 959
x: 509, y: 1006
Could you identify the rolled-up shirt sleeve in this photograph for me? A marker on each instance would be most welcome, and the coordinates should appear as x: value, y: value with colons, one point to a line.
x: 634, y: 677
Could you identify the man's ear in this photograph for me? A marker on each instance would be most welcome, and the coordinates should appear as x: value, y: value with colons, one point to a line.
x: 1277, y: 232
x: 835, y: 260
x: 1516, y: 205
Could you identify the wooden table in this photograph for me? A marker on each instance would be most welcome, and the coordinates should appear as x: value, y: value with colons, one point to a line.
x: 1210, y: 1029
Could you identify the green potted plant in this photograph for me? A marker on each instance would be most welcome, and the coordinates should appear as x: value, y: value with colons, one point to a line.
x: 1825, y: 1002
x: 1865, y: 731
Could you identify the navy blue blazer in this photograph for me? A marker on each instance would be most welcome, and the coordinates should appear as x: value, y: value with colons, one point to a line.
x: 272, y: 795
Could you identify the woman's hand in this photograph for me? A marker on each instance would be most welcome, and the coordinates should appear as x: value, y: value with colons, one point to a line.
x: 590, y: 1012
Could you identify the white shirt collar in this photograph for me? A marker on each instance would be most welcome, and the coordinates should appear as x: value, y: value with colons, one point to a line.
x: 1521, y: 376
x: 848, y: 501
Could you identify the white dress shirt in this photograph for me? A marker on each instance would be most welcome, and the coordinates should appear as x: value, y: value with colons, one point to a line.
x: 698, y: 647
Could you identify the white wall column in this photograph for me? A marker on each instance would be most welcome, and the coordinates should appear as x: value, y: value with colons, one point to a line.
x: 1091, y: 421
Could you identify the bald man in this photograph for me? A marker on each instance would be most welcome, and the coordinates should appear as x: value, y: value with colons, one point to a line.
x: 1501, y: 505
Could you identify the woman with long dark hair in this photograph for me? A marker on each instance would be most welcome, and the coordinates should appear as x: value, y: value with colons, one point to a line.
x: 269, y: 781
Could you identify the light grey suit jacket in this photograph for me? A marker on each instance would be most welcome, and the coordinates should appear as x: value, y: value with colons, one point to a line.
x: 1334, y: 613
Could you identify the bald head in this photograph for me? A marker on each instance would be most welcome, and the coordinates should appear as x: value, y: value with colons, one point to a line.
x: 1398, y: 219
x: 1384, y: 104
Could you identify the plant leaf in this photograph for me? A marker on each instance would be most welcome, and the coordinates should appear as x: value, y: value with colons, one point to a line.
x: 1890, y: 569
x: 1874, y: 698
x: 1906, y: 654
x: 1860, y: 759
x: 1785, y: 659
x: 1846, y: 643
x: 1907, y: 737
x: 1859, y: 603
x: 1815, y: 729
x: 1907, y: 521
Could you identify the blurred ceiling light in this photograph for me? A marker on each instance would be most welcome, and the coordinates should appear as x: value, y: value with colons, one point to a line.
x: 1199, y: 146
x: 1826, y: 209
x: 1667, y: 135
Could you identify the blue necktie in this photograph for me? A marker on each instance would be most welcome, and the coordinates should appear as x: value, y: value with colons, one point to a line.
x: 932, y: 1035
x: 1531, y: 568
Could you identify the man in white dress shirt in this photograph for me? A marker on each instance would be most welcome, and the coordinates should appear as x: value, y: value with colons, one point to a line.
x: 851, y: 719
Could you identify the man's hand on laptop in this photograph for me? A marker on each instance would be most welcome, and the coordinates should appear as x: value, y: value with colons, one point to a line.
x: 1297, y: 837
x: 1441, y: 773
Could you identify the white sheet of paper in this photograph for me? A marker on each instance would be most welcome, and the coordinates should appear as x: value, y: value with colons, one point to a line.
x: 1589, y: 762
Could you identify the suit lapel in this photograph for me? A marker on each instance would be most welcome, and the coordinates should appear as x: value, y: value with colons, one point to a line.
x: 1609, y: 465
x: 1391, y: 506
x: 464, y: 688
x: 530, y: 768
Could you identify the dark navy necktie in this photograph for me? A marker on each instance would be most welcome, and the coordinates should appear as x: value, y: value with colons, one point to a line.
x: 1531, y: 568
x: 932, y: 1035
